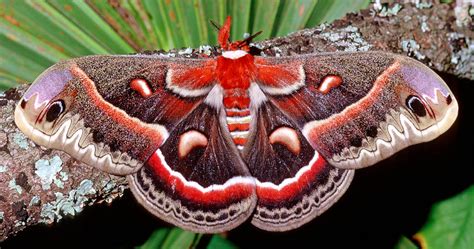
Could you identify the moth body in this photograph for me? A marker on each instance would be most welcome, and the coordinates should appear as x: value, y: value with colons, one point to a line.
x: 235, y: 71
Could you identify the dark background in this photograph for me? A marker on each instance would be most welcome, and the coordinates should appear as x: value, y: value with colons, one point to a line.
x: 383, y: 203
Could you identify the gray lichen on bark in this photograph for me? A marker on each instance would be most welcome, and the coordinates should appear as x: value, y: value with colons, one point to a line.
x: 39, y: 185
x: 437, y: 39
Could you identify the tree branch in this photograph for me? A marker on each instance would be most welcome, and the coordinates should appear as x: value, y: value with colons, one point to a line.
x: 432, y: 34
x: 39, y: 185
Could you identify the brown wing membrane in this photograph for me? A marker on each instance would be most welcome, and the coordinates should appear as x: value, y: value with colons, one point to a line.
x: 359, y: 108
x: 197, y: 180
x: 294, y: 182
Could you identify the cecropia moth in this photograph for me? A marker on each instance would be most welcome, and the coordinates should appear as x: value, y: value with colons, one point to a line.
x: 207, y: 143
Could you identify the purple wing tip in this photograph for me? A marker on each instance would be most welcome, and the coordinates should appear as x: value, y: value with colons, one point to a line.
x: 49, y: 84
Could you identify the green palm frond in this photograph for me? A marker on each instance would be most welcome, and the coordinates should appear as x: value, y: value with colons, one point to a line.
x: 36, y: 34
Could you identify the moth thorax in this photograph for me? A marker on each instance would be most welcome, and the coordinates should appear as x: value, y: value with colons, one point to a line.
x: 234, y: 54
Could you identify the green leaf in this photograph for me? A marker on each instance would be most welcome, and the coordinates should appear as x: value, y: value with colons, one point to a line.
x: 405, y: 243
x: 213, y: 11
x: 19, y: 42
x: 45, y: 23
x: 15, y: 65
x: 37, y: 34
x: 264, y: 16
x: 202, y: 23
x: 330, y: 10
x: 146, y: 31
x: 93, y: 25
x: 171, y: 238
x: 178, y: 238
x: 218, y: 242
x: 23, y: 55
x: 8, y: 80
x: 450, y: 223
x: 159, y: 22
x: 173, y: 28
x: 188, y: 15
x: 156, y: 239
x: 240, y: 12
x: 293, y: 16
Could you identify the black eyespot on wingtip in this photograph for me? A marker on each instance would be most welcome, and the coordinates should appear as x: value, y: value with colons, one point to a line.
x: 449, y: 99
x: 416, y: 105
x: 23, y: 103
x: 55, y: 110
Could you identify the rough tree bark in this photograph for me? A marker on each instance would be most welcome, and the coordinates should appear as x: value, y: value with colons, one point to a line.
x: 39, y: 185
